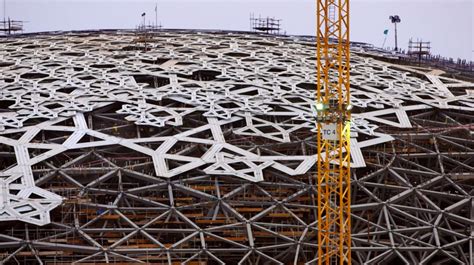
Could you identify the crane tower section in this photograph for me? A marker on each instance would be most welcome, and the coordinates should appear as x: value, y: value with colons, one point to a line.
x: 333, y: 131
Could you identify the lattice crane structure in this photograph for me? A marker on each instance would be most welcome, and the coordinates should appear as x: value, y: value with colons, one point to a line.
x: 333, y: 131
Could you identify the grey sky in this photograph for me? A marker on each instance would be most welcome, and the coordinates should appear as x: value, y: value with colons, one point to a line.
x: 448, y: 24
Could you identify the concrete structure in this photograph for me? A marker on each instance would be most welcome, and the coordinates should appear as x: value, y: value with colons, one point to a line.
x: 200, y: 148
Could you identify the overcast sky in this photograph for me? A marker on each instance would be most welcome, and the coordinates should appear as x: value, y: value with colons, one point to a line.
x: 448, y: 24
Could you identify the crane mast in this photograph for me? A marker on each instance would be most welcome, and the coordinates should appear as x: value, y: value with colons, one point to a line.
x: 333, y: 131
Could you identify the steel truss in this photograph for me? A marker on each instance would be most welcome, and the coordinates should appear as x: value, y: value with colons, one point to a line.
x: 202, y: 149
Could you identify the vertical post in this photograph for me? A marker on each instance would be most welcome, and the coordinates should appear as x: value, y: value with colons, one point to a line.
x: 267, y: 26
x: 471, y: 243
x: 419, y: 55
x: 396, y: 37
x: 156, y: 16
x: 251, y: 21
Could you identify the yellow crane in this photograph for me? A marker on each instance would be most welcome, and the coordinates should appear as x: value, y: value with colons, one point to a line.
x: 333, y: 132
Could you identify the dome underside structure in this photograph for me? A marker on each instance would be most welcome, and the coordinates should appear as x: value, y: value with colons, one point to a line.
x: 200, y: 149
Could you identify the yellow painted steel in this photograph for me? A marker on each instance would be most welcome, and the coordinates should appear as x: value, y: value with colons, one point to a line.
x: 333, y: 99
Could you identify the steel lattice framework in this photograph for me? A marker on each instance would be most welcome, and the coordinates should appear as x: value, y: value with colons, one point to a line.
x: 333, y: 99
x: 202, y: 150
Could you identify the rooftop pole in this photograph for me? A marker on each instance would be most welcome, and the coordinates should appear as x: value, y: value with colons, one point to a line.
x: 156, y: 15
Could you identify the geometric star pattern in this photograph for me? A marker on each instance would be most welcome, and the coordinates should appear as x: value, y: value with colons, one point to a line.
x: 202, y: 149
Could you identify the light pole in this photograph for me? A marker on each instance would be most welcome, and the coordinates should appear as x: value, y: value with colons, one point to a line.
x: 395, y: 20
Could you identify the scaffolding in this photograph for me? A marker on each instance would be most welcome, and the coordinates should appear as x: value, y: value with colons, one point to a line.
x: 419, y: 49
x: 9, y: 26
x: 268, y: 25
x: 145, y: 32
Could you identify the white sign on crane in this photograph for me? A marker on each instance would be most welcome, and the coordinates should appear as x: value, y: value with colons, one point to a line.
x: 329, y: 131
